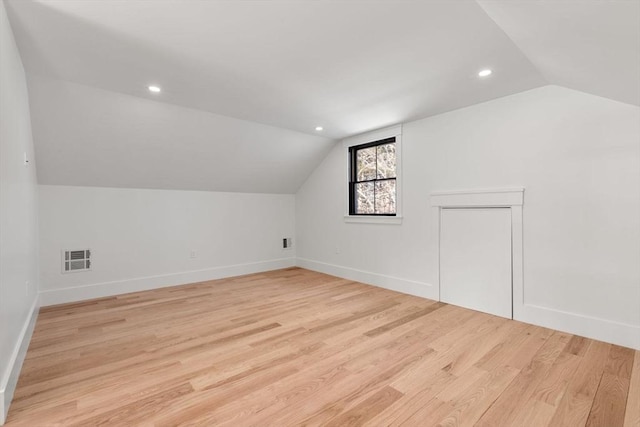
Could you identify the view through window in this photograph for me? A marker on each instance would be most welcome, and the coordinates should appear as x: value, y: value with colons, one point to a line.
x: 372, y: 183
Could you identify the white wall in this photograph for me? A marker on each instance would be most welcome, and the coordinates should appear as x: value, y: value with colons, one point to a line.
x: 18, y: 215
x: 142, y: 239
x: 578, y: 157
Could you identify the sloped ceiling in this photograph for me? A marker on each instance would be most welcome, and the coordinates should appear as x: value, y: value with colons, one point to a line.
x: 92, y: 137
x: 244, y: 83
x: 587, y: 45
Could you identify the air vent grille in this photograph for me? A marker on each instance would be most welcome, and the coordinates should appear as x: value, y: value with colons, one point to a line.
x: 79, y: 260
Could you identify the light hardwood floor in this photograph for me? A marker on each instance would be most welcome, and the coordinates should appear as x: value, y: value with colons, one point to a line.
x: 294, y: 347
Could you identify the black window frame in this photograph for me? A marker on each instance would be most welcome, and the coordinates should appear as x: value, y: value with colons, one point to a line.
x: 353, y: 150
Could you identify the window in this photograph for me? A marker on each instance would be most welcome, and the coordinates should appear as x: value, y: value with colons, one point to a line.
x: 372, y: 178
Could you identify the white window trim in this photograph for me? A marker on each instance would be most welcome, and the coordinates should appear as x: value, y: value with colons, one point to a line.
x: 376, y: 135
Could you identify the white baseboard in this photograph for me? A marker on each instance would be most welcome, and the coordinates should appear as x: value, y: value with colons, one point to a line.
x: 586, y: 326
x: 577, y: 324
x: 411, y: 287
x: 105, y: 289
x: 10, y: 376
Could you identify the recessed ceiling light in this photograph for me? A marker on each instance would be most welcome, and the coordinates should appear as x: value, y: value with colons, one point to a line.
x: 485, y: 73
x: 319, y: 128
x: 154, y: 89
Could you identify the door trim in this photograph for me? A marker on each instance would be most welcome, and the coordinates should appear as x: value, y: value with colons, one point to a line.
x: 512, y: 198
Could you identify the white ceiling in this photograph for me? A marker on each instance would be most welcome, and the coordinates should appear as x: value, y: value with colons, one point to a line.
x: 92, y: 137
x: 587, y: 45
x: 349, y: 66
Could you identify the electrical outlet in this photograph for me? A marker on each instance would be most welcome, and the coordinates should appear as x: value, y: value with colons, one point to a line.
x: 193, y: 254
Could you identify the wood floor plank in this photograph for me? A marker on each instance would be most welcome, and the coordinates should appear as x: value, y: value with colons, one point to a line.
x: 577, y: 401
x: 135, y: 411
x: 295, y: 347
x: 535, y: 414
x: 620, y: 361
x: 428, y: 415
x: 518, y: 397
x: 505, y: 349
x: 402, y: 410
x: 609, y: 403
x: 367, y: 409
x: 347, y: 394
x: 632, y: 414
x: 391, y: 325
x: 469, y: 406
x: 552, y: 388
x: 577, y: 346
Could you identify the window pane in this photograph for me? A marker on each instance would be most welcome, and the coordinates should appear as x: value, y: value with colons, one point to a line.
x: 366, y: 164
x: 385, y: 197
x: 365, y: 198
x: 386, y: 161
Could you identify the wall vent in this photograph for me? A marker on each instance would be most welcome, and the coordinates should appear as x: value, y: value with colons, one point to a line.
x: 287, y: 243
x: 73, y: 261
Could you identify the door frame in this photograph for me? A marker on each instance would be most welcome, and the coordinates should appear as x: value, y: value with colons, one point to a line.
x: 512, y: 198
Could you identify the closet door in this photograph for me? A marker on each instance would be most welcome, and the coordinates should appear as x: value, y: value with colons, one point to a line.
x: 475, y: 259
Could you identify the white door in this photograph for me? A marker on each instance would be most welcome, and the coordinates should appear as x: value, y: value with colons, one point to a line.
x: 475, y: 259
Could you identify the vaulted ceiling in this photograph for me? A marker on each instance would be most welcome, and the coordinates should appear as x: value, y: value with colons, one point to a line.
x: 245, y: 83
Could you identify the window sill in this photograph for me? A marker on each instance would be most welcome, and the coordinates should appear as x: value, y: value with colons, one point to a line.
x: 373, y: 219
